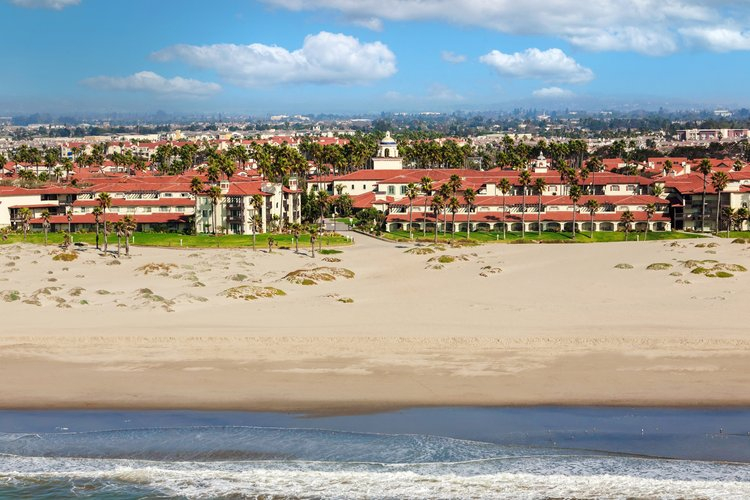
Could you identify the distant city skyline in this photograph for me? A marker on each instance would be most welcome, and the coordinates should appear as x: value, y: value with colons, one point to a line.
x: 361, y: 56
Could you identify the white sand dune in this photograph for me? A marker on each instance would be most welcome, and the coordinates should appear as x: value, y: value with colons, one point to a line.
x: 501, y: 325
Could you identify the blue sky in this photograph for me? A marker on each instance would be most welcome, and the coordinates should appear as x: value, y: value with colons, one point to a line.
x: 349, y: 56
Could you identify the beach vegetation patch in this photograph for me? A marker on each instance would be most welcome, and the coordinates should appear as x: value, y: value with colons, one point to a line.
x: 712, y: 245
x: 237, y: 277
x: 103, y: 292
x: 446, y: 259
x: 486, y: 271
x: 700, y: 245
x: 659, y: 266
x: 723, y: 274
x: 330, y: 251
x: 65, y: 256
x: 247, y: 292
x: 318, y: 274
x: 346, y: 300
x: 624, y: 266
x: 421, y: 251
x: 156, y: 267
x: 33, y: 302
x: 331, y: 259
x: 114, y: 262
x: 84, y: 302
x: 11, y: 295
x: 740, y: 241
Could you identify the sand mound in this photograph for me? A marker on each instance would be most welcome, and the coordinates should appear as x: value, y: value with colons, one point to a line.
x: 157, y: 268
x: 318, y: 274
x: 246, y: 292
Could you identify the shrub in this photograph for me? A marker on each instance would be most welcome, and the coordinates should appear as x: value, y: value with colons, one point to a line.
x: 659, y: 266
x: 623, y: 266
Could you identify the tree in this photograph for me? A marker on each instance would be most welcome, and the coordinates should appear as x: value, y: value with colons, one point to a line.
x: 129, y: 226
x: 650, y: 211
x: 437, y: 205
x: 704, y: 168
x: 196, y: 188
x: 504, y: 187
x: 257, y: 215
x: 412, y: 191
x: 45, y: 224
x: 105, y: 201
x: 446, y: 191
x: 214, y: 194
x: 719, y: 181
x: 574, y: 194
x: 525, y: 180
x: 592, y: 206
x: 97, y: 219
x: 25, y: 214
x: 313, y: 232
x: 295, y: 229
x: 426, y: 187
x: 594, y: 165
x: 454, y: 206
x: 742, y: 215
x: 69, y: 216
x: 539, y: 185
x: 626, y: 219
x: 469, y: 197
x: 731, y: 217
x: 119, y: 227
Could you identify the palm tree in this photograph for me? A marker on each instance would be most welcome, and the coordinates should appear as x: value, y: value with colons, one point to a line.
x: 540, y: 185
x: 323, y: 202
x: 574, y: 194
x: 313, y: 231
x: 704, y: 168
x: 120, y: 232
x: 650, y: 211
x: 426, y: 186
x: 627, y: 220
x: 719, y: 181
x: 214, y: 194
x: 196, y: 188
x: 129, y: 226
x: 469, y: 197
x: 295, y: 229
x: 257, y: 214
x: 45, y: 224
x: 105, y: 201
x: 504, y: 187
x: 437, y: 205
x: 594, y: 165
x: 97, y: 219
x: 592, y: 206
x: 454, y: 206
x: 69, y: 216
x: 412, y: 191
x: 742, y: 215
x: 524, y: 179
x: 446, y: 191
x: 25, y: 214
x: 731, y: 216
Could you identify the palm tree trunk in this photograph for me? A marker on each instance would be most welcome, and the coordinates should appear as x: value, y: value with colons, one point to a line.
x: 424, y: 224
x: 539, y: 217
x: 703, y: 204
x: 411, y: 234
x: 118, y: 244
x: 104, y: 215
x: 213, y: 215
x: 468, y: 224
x: 445, y: 218
x: 523, y: 214
x: 718, y: 210
x: 453, y: 226
x: 575, y: 209
x: 503, y: 216
x: 436, y: 225
x: 97, y: 236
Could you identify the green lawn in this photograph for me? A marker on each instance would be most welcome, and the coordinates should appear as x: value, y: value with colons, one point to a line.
x: 177, y: 240
x: 485, y: 237
x: 735, y: 234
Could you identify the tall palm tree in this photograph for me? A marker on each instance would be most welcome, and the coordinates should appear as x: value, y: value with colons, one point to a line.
x: 313, y: 232
x: 412, y: 191
x: 129, y: 225
x: 295, y: 229
x: 45, y: 224
x: 627, y: 220
x: 574, y: 194
x: 437, y: 205
x: 446, y: 191
x: 650, y: 211
x: 719, y: 181
x: 539, y: 185
x: 704, y: 168
x: 742, y: 215
x: 119, y: 227
x: 25, y: 214
x: 454, y: 206
x: 469, y: 197
x: 524, y: 179
x: 196, y: 188
x: 214, y: 194
x: 592, y: 205
x: 97, y: 219
x: 732, y: 217
x: 257, y: 214
x: 426, y: 186
x: 105, y: 201
x: 594, y: 165
x: 504, y: 187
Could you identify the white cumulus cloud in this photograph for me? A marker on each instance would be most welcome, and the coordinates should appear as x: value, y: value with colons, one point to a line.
x: 718, y: 38
x: 551, y: 65
x: 452, y: 58
x: 45, y: 4
x: 552, y: 93
x: 147, y: 81
x: 646, y: 26
x: 325, y: 58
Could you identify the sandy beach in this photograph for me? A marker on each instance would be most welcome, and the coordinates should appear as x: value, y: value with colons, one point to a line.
x: 499, y: 325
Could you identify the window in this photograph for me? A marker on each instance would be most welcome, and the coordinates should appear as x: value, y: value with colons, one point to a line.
x: 147, y: 210
x: 163, y: 209
x: 352, y: 187
x: 631, y: 187
x: 391, y: 190
x: 364, y: 186
x: 403, y: 190
x: 614, y: 188
x: 204, y: 213
x: 167, y: 195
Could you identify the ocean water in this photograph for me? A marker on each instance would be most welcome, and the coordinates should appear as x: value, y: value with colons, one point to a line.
x: 456, y: 453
